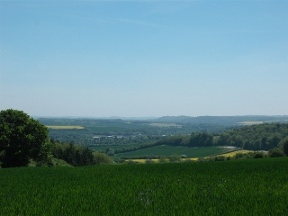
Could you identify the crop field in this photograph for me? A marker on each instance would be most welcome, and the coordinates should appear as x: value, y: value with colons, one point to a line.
x: 165, y: 151
x: 66, y: 127
x: 240, y: 187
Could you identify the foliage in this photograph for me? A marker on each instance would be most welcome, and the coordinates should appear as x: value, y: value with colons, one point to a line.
x: 77, y: 155
x: 21, y: 138
x: 73, y: 154
x: 285, y: 147
x: 258, y: 155
x: 163, y: 160
x: 56, y: 162
x: 276, y: 152
x: 123, y: 131
x: 205, y: 131
x: 110, y: 151
x: 174, y: 158
x: 255, y: 137
x: 101, y: 158
x: 214, y: 188
x: 201, y: 139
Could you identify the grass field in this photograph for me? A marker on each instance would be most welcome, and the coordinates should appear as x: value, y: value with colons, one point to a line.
x: 70, y: 127
x: 237, y: 187
x: 165, y: 151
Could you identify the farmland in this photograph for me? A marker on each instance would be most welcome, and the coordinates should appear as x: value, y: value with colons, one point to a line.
x: 237, y: 187
x: 164, y: 151
x: 230, y: 154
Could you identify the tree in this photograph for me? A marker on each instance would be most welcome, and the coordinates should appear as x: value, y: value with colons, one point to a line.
x: 201, y: 139
x: 21, y: 138
x: 110, y: 151
x: 285, y: 147
x: 73, y: 154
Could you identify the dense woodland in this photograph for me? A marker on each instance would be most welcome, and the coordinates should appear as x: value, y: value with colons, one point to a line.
x: 255, y: 137
x: 77, y: 155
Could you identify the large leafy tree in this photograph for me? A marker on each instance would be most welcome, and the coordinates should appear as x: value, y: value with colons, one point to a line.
x: 21, y: 138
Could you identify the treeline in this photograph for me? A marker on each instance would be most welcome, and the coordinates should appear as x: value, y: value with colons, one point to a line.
x: 77, y: 155
x: 255, y: 137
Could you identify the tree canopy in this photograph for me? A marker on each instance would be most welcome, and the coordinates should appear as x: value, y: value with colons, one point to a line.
x: 21, y: 138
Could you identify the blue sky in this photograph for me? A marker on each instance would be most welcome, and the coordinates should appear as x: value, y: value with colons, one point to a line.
x: 144, y: 58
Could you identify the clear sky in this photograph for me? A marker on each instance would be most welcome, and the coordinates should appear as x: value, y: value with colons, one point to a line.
x: 144, y: 58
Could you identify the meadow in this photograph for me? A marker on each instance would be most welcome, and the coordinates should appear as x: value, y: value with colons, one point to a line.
x: 236, y: 187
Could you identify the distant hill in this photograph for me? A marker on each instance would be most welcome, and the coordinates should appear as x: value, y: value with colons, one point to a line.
x: 223, y: 120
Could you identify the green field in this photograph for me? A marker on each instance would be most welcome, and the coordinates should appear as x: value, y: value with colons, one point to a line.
x: 102, y: 148
x: 239, y: 187
x: 166, y: 151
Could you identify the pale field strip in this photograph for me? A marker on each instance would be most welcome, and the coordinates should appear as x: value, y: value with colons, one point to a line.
x: 248, y: 123
x: 165, y: 125
x: 67, y: 127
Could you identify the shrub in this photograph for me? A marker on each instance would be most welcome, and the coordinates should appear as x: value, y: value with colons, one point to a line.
x: 276, y: 152
x: 163, y: 160
x: 174, y: 158
x: 101, y: 158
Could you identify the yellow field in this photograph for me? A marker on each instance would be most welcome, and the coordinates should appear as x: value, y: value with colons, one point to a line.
x: 142, y: 160
x: 70, y: 127
x: 232, y: 154
x: 157, y: 160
